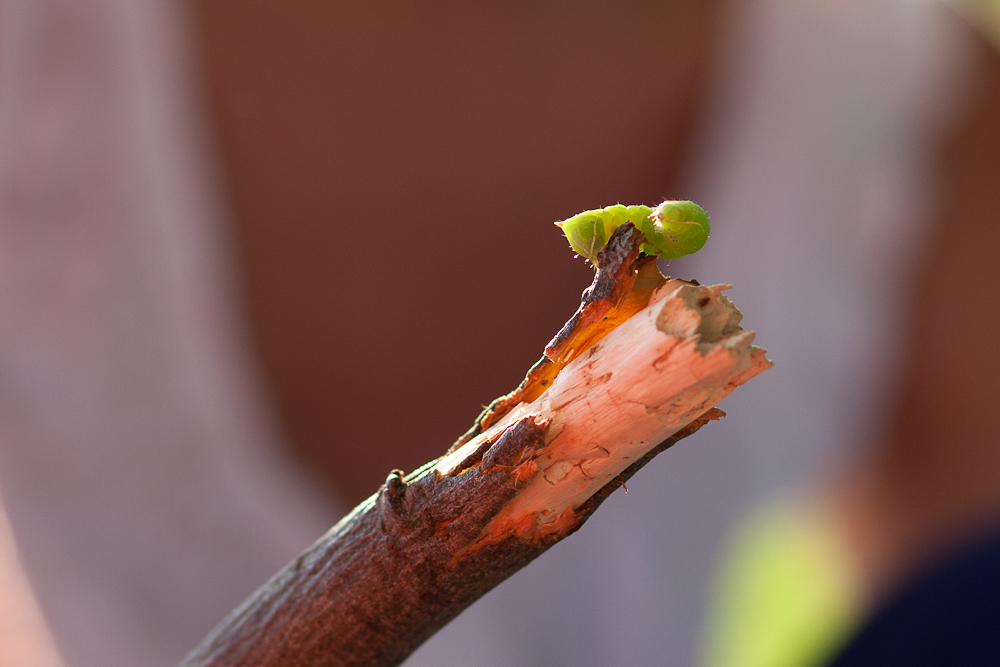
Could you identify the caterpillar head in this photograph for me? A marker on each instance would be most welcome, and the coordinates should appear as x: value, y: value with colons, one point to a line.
x: 675, y: 229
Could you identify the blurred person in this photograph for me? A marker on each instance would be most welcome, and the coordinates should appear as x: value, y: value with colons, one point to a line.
x: 449, y: 135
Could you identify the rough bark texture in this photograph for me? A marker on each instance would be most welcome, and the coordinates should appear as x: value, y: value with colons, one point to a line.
x: 535, y: 466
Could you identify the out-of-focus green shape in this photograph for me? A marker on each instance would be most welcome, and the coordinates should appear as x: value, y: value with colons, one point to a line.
x: 786, y: 595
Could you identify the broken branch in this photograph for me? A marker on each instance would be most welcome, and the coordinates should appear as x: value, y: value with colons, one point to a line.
x: 640, y: 365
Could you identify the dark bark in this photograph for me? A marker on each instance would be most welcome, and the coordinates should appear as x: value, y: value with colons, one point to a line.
x: 394, y: 571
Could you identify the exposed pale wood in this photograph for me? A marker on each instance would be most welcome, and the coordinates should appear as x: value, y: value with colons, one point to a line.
x: 641, y: 365
x: 650, y: 377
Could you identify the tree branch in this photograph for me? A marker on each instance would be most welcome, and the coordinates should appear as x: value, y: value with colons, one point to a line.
x: 639, y: 366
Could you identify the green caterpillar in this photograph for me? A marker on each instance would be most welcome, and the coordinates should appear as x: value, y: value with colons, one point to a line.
x: 672, y: 229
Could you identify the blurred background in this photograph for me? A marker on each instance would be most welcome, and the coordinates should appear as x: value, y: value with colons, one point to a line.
x: 254, y: 255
